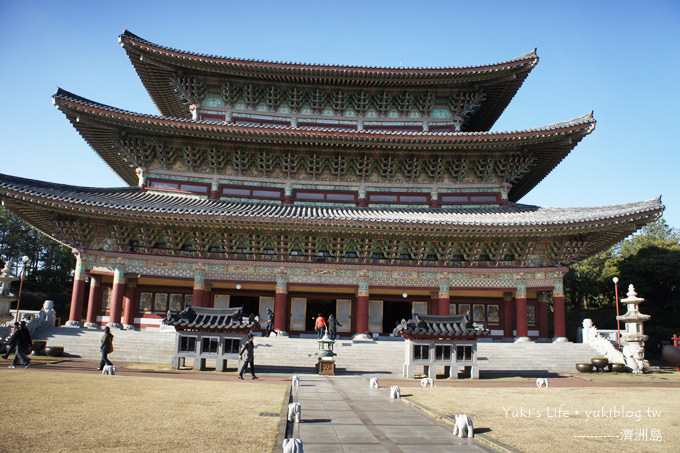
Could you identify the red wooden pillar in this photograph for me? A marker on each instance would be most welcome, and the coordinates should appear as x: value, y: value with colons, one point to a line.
x: 508, y: 316
x: 117, y: 297
x: 281, y: 310
x: 77, y: 295
x: 198, y: 299
x: 94, y: 301
x: 521, y: 311
x: 130, y: 304
x: 542, y: 314
x: 207, y: 295
x: 362, y: 305
x: 444, y: 298
x: 558, y: 312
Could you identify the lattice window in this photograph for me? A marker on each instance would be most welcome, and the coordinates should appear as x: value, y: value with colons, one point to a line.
x: 317, y: 99
x: 405, y: 103
x: 240, y: 160
x: 190, y: 88
x: 138, y: 150
x: 240, y: 244
x: 265, y: 163
x: 459, y: 168
x: 434, y: 167
x: 314, y: 165
x: 296, y: 98
x: 483, y: 168
x: 230, y: 93
x: 386, y: 166
x: 361, y: 165
x: 192, y: 158
x: 168, y: 157
x: 351, y: 248
x: 361, y: 102
x: 272, y: 97
x: 464, y: 103
x: 296, y: 246
x: 339, y: 101
x: 217, y: 159
x: 511, y: 169
x: 339, y: 165
x: 268, y: 247
x: 251, y: 95
x: 425, y: 103
x: 289, y: 162
x: 382, y: 102
x: 410, y: 166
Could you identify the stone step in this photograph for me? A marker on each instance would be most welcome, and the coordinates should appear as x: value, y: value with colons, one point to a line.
x: 152, y: 345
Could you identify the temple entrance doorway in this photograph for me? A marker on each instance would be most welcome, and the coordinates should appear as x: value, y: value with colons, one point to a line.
x: 316, y: 306
x: 393, y: 313
x: 250, y: 304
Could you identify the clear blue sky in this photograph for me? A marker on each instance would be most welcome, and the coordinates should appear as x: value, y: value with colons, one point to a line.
x: 620, y: 59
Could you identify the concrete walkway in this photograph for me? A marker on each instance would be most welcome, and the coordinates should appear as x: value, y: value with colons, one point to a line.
x: 342, y: 414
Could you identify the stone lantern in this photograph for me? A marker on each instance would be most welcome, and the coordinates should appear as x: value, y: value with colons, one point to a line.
x: 325, y: 354
x: 634, y: 337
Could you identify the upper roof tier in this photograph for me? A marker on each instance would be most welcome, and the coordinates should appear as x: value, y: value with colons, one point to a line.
x: 519, y: 159
x: 471, y: 98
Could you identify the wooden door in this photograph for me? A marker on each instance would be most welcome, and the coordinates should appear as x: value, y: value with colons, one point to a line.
x: 298, y: 310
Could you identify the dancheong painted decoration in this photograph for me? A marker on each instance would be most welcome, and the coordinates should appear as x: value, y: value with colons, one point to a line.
x: 370, y: 193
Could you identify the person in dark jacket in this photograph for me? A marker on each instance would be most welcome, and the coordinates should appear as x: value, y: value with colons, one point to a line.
x: 12, y: 341
x: 106, y: 348
x: 332, y: 326
x: 269, y: 325
x: 20, y: 342
x: 247, y: 350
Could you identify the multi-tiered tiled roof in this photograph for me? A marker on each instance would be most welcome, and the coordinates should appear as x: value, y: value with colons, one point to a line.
x: 246, y: 134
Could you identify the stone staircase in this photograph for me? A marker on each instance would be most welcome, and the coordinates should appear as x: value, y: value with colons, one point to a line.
x: 129, y: 345
x: 284, y: 353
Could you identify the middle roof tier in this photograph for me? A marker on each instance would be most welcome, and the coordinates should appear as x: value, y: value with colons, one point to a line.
x: 159, y: 148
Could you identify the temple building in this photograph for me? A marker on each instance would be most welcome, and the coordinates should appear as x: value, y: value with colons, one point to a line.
x: 371, y: 193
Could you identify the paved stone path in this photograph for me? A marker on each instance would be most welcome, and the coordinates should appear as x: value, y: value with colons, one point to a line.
x: 342, y: 414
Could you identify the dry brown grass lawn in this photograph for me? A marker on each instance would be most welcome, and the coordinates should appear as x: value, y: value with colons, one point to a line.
x: 56, y: 411
x: 547, y: 420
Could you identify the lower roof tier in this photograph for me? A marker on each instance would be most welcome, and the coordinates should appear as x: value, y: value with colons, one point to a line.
x: 133, y: 220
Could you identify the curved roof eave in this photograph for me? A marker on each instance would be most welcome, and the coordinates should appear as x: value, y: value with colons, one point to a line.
x: 135, y: 204
x: 278, y: 70
x: 554, y: 141
x: 156, y: 66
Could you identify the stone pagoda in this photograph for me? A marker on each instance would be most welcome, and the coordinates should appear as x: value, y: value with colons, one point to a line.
x: 634, y: 337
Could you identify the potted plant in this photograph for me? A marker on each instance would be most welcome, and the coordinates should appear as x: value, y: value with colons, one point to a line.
x: 618, y: 367
x: 584, y: 367
x: 39, y: 347
x: 599, y: 362
x: 54, y: 351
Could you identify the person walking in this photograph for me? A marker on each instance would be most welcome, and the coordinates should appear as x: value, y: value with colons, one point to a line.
x: 106, y: 348
x: 269, y: 324
x: 20, y: 341
x: 320, y: 325
x: 332, y: 326
x: 12, y: 341
x: 248, y: 349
